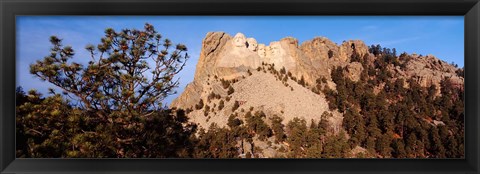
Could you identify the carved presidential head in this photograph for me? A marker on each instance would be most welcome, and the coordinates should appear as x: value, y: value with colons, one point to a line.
x: 239, y: 40
x: 276, y: 49
x: 261, y: 50
x: 252, y: 44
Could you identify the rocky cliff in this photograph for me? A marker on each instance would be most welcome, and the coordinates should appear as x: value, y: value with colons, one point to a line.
x: 249, y: 68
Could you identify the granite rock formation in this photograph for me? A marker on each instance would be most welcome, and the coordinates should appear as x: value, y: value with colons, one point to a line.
x: 237, y: 58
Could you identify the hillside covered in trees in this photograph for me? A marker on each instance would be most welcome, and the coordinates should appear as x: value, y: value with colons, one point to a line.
x: 248, y: 100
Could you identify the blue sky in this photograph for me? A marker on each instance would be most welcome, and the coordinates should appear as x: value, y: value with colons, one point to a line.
x: 442, y: 36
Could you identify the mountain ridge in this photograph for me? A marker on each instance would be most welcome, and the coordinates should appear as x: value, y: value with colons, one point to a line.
x: 230, y: 57
x: 236, y: 76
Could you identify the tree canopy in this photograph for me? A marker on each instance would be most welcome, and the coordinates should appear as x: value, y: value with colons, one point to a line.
x: 109, y: 107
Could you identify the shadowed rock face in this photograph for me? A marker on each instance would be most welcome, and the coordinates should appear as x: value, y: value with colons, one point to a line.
x: 226, y: 57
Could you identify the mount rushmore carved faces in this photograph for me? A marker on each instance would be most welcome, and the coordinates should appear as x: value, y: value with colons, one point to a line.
x: 239, y: 40
x: 261, y: 50
x: 252, y: 44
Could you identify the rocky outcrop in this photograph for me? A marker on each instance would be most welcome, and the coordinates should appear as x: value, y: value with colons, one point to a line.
x: 238, y: 57
x: 225, y: 57
x: 429, y: 70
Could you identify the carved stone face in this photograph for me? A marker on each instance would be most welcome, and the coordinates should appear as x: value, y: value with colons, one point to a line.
x: 252, y: 44
x: 268, y: 51
x: 239, y: 40
x: 261, y: 50
x: 275, y: 49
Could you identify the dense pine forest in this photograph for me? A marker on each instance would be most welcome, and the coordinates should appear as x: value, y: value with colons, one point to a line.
x: 399, y: 122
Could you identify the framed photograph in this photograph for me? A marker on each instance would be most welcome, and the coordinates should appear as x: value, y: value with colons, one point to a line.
x: 239, y: 87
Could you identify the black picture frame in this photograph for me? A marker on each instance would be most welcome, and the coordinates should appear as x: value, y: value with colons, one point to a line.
x: 470, y: 9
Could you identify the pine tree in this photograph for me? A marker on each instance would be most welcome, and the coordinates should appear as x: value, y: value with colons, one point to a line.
x: 115, y: 78
x: 330, y: 54
x: 383, y: 145
x: 313, y: 135
x: 234, y: 122
x: 216, y: 143
x: 116, y: 99
x: 336, y: 146
x: 235, y: 106
x: 437, y: 146
x: 199, y: 105
x: 399, y: 149
x: 297, y: 136
x: 230, y: 90
x: 302, y: 81
x: 221, y: 104
x: 278, y: 128
x: 255, y: 123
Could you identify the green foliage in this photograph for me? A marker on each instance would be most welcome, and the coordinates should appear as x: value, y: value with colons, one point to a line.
x: 383, y: 145
x: 116, y: 77
x: 399, y: 149
x: 216, y: 143
x: 256, y: 124
x: 234, y: 122
x: 278, y: 128
x: 221, y: 104
x: 302, y: 82
x: 297, y: 136
x: 460, y: 72
x: 235, y: 106
x: 206, y: 110
x: 199, y: 105
x: 117, y: 107
x: 336, y: 146
x: 230, y: 90
x: 396, y: 121
x: 355, y: 57
x: 315, y: 136
x: 283, y: 71
x: 228, y: 98
x: 330, y: 54
x: 40, y: 141
x: 225, y: 83
x: 50, y: 127
x: 211, y: 96
x: 437, y: 145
